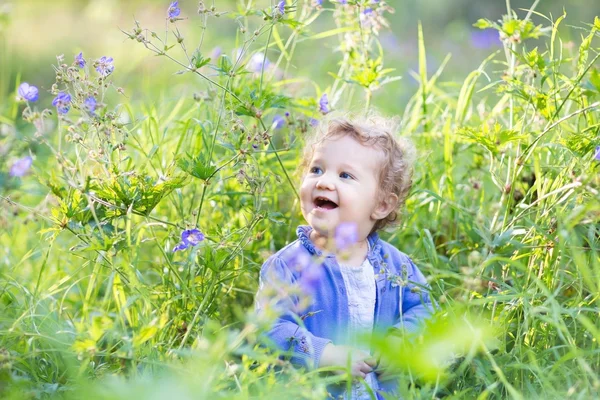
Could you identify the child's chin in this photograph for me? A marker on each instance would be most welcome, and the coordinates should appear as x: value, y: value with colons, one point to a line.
x: 323, y: 229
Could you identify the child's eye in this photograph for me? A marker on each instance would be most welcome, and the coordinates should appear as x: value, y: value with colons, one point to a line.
x: 315, y: 170
x: 345, y: 175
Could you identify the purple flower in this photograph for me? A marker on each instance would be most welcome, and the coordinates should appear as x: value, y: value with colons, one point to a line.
x: 79, y: 60
x: 309, y: 276
x: 28, y: 92
x: 280, y: 7
x: 258, y: 62
x: 278, y: 121
x: 324, y: 104
x: 374, y: 1
x: 62, y: 102
x: 484, y: 39
x: 216, y: 52
x: 190, y: 237
x: 343, y: 1
x: 90, y: 104
x: 368, y: 11
x: 313, y: 122
x: 105, y: 66
x: 346, y: 234
x: 21, y: 166
x: 597, y: 154
x: 318, y: 2
x: 173, y: 11
x: 287, y: 114
x: 309, y: 271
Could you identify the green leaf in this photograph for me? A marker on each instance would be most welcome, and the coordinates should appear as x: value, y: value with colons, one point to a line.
x: 198, y: 61
x: 199, y: 167
x: 483, y: 23
x: 145, y: 334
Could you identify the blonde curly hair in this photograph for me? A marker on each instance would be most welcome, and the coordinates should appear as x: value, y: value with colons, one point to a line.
x: 396, y: 167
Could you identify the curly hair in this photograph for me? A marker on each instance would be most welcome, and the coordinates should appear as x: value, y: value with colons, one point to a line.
x: 397, y: 164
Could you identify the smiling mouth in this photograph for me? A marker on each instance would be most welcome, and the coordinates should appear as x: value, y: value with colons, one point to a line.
x: 322, y: 203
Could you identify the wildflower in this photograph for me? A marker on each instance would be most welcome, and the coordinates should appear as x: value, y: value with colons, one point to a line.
x: 28, y: 92
x: 287, y: 114
x: 104, y: 66
x: 317, y: 3
x: 90, y: 104
x: 324, y: 104
x: 79, y: 60
x: 313, y: 122
x: 190, y: 237
x: 485, y: 39
x: 278, y: 121
x: 310, y: 272
x: 258, y: 62
x: 216, y: 52
x: 597, y: 154
x: 173, y: 11
x: 62, y: 102
x: 280, y: 8
x: 343, y: 1
x: 346, y: 234
x: 21, y: 166
x: 309, y: 277
x: 368, y: 11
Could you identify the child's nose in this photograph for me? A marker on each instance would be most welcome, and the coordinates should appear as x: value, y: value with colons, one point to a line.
x: 325, y: 183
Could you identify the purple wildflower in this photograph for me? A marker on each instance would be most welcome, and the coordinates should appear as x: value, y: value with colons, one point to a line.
x: 597, y: 154
x: 317, y: 2
x: 28, y: 92
x: 346, y: 234
x: 374, y: 1
x: 343, y: 1
x: 280, y: 7
x: 190, y: 237
x: 216, y: 52
x: 287, y: 114
x: 324, y: 104
x: 105, y: 66
x: 79, y: 60
x: 484, y: 39
x: 62, y: 102
x: 309, y: 276
x: 313, y: 122
x: 173, y: 11
x: 90, y: 104
x: 258, y: 62
x: 21, y: 166
x: 278, y: 121
x: 310, y: 272
x: 368, y: 11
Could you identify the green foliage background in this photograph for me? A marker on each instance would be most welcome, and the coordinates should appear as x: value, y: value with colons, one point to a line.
x: 503, y: 217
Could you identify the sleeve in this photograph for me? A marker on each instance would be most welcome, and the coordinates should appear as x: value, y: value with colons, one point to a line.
x: 276, y: 302
x: 416, y: 304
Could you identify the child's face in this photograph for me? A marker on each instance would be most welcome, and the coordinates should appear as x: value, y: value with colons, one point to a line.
x: 344, y: 172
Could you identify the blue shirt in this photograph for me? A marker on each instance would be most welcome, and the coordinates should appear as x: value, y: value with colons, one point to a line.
x: 402, y: 298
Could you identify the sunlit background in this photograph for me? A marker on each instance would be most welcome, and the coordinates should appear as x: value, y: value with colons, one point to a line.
x: 36, y: 31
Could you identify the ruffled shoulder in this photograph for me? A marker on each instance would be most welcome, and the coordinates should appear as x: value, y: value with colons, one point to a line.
x: 303, y: 232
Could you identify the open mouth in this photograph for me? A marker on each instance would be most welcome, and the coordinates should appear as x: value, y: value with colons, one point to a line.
x: 325, y: 204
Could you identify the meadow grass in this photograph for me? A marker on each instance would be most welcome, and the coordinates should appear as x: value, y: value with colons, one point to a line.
x: 503, y: 216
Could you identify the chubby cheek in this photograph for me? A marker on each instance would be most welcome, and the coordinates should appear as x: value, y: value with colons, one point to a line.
x: 305, y: 195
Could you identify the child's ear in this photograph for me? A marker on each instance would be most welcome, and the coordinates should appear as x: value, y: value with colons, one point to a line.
x: 386, y: 205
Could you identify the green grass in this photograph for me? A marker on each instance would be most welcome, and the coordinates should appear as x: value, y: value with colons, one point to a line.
x: 503, y: 219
